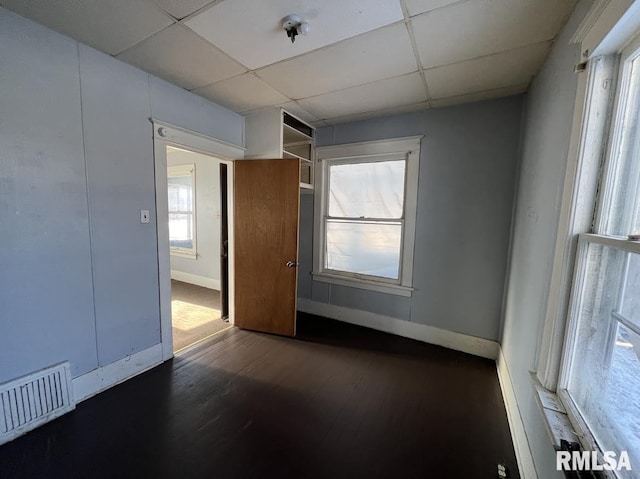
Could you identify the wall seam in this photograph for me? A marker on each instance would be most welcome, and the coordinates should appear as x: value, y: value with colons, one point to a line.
x: 89, y: 210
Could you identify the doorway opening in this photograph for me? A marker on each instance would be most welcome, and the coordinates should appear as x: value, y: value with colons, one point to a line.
x: 166, y: 135
x: 197, y: 218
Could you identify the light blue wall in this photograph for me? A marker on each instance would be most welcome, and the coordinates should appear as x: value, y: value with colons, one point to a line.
x: 78, y: 272
x: 468, y: 161
x: 546, y: 134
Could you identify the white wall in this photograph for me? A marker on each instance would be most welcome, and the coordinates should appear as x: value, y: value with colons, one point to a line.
x: 203, y: 270
x: 546, y: 134
x: 79, y: 272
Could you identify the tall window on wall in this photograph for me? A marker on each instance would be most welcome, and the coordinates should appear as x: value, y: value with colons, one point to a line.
x: 182, y: 209
x: 365, y: 214
x: 600, y: 377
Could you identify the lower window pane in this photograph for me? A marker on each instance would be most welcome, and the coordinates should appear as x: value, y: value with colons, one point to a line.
x: 181, y: 230
x: 605, y: 370
x: 364, y: 248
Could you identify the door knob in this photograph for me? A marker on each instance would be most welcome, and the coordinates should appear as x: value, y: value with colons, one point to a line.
x: 291, y: 264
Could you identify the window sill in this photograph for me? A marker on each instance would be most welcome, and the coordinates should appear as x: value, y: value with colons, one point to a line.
x: 558, y: 424
x: 388, y: 288
x: 183, y: 254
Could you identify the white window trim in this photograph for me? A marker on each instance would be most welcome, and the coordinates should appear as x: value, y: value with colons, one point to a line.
x: 409, y: 148
x: 186, y: 170
x: 606, y: 31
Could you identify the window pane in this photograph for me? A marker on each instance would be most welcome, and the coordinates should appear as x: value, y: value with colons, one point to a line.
x: 605, y: 371
x: 180, y: 193
x: 364, y: 248
x: 630, y: 307
x: 367, y: 190
x: 181, y: 230
x: 622, y: 216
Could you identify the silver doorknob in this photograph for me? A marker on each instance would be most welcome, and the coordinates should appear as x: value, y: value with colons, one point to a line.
x: 291, y: 264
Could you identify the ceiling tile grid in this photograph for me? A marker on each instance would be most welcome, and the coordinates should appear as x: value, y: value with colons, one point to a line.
x: 242, y: 93
x: 372, y: 56
x: 403, y: 90
x: 251, y: 30
x: 111, y: 26
x: 362, y: 58
x: 178, y: 55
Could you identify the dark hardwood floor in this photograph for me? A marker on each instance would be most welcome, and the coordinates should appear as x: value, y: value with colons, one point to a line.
x: 338, y: 401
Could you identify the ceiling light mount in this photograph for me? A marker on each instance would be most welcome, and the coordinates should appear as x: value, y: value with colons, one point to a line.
x: 294, y: 25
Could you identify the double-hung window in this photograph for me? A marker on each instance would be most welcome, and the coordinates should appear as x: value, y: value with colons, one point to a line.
x: 365, y: 214
x: 182, y: 210
x: 600, y: 376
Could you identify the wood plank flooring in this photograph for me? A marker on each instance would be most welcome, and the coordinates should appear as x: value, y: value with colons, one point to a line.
x: 338, y: 401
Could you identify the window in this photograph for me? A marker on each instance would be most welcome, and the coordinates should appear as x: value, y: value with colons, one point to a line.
x: 182, y: 218
x: 365, y: 214
x: 600, y: 378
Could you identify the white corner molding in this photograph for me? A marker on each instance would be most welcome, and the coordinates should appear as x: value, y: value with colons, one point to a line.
x: 524, y: 457
x: 102, y: 378
x: 203, y: 281
x: 421, y: 332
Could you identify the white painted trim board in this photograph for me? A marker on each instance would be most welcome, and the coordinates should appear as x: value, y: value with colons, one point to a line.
x: 460, y: 342
x: 105, y: 377
x: 198, y: 280
x: 524, y: 457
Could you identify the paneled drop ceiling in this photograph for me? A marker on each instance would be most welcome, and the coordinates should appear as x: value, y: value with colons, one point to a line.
x: 362, y: 58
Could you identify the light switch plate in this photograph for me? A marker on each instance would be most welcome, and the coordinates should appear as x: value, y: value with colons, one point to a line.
x: 144, y: 216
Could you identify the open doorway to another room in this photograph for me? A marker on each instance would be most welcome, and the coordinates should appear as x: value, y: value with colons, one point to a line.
x: 197, y: 244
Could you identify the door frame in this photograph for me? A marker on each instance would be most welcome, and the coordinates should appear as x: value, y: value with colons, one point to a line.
x: 166, y: 134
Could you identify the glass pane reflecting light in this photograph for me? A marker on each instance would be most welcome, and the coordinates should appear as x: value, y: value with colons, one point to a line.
x: 604, y: 380
x: 367, y: 190
x: 364, y: 248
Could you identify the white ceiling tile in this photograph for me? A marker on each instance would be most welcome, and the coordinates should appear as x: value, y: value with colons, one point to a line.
x: 482, y: 27
x: 251, y: 30
x: 396, y: 110
x: 180, y: 56
x: 415, y: 7
x: 376, y: 55
x: 182, y: 8
x: 514, y: 67
x: 403, y: 90
x: 480, y: 96
x: 111, y: 26
x: 242, y: 93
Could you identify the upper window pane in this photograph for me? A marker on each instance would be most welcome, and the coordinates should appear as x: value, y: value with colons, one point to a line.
x: 180, y: 193
x: 367, y: 190
x: 622, y: 212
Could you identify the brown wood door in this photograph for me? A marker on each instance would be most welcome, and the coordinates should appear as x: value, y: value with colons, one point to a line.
x: 266, y: 208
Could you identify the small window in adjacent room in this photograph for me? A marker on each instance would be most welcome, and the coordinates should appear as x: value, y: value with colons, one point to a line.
x: 365, y: 214
x: 182, y: 206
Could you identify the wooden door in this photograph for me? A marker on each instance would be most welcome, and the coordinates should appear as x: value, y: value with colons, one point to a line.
x: 266, y: 208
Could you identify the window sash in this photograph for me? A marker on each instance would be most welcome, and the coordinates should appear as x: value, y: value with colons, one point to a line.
x: 580, y: 422
x: 364, y: 276
x: 400, y: 149
x: 365, y: 220
x: 182, y: 171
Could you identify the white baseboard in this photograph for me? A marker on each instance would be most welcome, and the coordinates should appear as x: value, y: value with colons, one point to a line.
x: 460, y: 342
x: 516, y: 425
x: 104, y: 377
x: 203, y: 281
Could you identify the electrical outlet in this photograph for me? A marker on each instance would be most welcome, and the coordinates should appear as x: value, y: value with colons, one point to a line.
x: 144, y: 216
x: 503, y: 472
